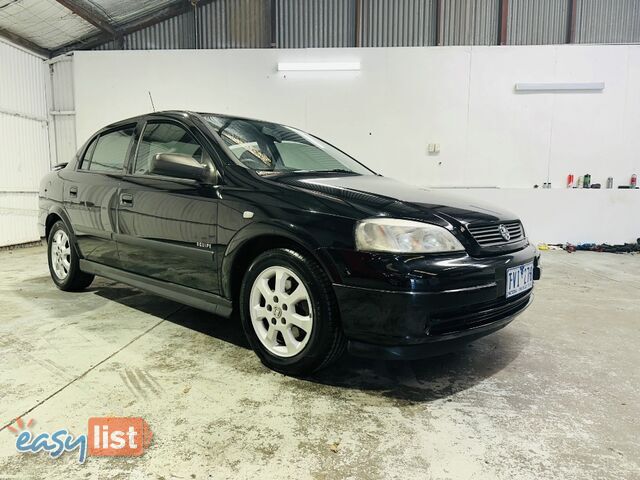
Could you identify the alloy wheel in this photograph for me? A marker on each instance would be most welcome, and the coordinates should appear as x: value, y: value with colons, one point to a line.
x: 61, y: 254
x: 281, y: 311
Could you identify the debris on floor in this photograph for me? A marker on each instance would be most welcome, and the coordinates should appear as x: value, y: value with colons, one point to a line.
x: 593, y: 247
x: 544, y: 246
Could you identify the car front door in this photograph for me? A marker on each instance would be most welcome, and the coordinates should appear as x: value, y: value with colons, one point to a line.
x: 90, y: 193
x: 167, y: 226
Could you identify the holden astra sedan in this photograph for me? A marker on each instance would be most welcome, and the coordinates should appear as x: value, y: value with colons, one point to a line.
x: 314, y: 250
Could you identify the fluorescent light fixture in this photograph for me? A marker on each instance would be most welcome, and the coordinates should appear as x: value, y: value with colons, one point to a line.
x: 542, y: 87
x: 317, y: 66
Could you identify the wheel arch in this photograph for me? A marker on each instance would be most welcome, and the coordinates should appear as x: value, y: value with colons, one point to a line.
x: 247, y: 245
x: 55, y: 214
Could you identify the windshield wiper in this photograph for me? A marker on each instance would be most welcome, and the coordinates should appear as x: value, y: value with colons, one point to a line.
x: 339, y: 170
x: 333, y: 170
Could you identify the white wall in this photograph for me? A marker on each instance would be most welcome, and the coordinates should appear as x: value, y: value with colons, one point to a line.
x: 575, y: 216
x: 24, y: 143
x: 404, y: 98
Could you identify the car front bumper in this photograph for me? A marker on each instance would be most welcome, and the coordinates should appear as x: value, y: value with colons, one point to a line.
x: 440, y: 304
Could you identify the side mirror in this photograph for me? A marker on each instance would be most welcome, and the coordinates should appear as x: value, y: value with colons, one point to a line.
x: 179, y: 165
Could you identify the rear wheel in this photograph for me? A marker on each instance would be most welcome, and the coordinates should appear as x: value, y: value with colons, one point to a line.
x: 289, y: 314
x: 64, y: 262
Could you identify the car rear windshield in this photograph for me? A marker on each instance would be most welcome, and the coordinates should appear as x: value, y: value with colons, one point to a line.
x: 266, y: 146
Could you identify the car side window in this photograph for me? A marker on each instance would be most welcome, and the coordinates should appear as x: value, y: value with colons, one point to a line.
x: 86, y: 159
x: 109, y: 152
x: 162, y: 137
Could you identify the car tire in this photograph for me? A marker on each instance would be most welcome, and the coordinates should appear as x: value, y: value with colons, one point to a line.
x: 64, y: 265
x: 295, y: 331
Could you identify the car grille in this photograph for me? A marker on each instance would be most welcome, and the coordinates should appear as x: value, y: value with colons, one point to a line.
x: 490, y: 235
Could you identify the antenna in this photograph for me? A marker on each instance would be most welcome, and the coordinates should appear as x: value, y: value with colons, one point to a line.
x: 152, y: 105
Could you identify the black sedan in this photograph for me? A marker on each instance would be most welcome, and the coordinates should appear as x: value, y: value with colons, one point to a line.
x: 316, y: 252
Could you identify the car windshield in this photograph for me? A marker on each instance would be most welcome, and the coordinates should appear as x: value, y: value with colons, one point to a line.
x: 266, y: 146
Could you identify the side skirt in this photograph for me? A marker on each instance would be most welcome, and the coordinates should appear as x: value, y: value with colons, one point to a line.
x: 189, y: 296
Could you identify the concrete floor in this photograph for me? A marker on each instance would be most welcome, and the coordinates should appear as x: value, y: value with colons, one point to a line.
x: 554, y: 395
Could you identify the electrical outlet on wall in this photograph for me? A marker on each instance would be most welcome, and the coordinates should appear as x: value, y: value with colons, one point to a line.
x: 433, y: 149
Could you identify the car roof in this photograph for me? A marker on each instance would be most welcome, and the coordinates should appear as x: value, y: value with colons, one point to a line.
x: 177, y: 115
x: 234, y: 117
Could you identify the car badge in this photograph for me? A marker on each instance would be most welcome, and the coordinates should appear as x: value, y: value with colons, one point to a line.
x: 504, y: 232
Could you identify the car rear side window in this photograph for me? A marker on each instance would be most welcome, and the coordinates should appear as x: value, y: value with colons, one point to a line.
x: 86, y: 159
x: 109, y: 152
x: 162, y: 137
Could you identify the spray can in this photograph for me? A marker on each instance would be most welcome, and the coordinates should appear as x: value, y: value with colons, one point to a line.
x: 634, y: 181
x: 587, y: 181
x: 610, y: 182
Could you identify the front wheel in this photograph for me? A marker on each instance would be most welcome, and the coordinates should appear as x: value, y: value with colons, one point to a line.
x: 289, y: 313
x: 64, y: 262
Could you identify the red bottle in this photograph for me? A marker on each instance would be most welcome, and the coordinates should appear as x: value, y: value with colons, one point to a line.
x: 569, y: 180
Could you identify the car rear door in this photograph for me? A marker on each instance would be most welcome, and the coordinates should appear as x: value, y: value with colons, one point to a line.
x: 167, y: 226
x: 90, y: 193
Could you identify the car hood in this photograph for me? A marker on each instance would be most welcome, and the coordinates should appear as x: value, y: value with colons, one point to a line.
x: 391, y: 197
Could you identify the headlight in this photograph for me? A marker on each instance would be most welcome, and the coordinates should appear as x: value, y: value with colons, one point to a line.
x: 404, y: 236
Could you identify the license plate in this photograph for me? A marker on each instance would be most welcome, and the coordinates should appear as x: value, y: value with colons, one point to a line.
x: 519, y: 279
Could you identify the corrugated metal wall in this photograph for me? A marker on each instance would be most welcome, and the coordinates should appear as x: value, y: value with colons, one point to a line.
x: 177, y: 32
x: 405, y: 23
x: 537, y: 22
x: 607, y: 21
x: 470, y: 22
x: 220, y: 24
x: 247, y: 24
x: 387, y: 23
x: 25, y: 142
x: 315, y: 23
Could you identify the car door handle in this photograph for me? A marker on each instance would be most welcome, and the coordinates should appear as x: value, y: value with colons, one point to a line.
x: 126, y: 199
x: 73, y: 191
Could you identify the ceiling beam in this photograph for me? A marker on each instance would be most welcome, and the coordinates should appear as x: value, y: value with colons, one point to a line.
x: 148, y: 20
x: 93, y: 18
x: 24, y: 43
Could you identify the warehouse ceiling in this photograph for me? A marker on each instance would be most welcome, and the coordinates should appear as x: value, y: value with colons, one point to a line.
x: 48, y: 26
